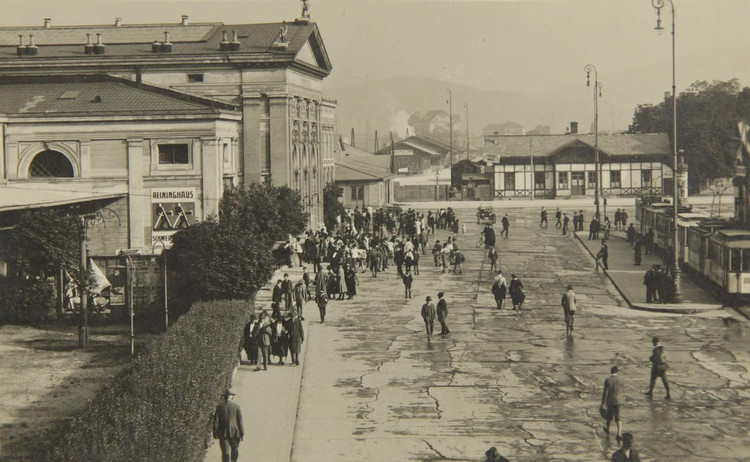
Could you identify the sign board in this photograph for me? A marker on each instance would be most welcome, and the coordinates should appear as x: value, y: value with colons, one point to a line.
x: 403, y: 152
x: 172, y: 209
x: 403, y: 170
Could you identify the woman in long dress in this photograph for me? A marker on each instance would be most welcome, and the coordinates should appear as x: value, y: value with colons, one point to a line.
x: 516, y: 292
x: 351, y: 282
x: 342, y: 282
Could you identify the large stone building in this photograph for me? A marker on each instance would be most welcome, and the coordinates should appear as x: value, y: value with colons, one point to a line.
x: 168, y: 115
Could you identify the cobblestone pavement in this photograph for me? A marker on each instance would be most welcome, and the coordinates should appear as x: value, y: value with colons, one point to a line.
x: 373, y: 388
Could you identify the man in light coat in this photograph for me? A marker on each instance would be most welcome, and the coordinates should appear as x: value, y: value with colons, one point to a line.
x: 612, y: 399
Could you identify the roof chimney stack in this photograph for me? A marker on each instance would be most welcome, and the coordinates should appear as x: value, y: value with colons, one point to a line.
x: 31, y: 49
x: 574, y: 128
x: 184, y: 21
x: 118, y: 22
x: 21, y: 48
x: 166, y: 45
x: 234, y: 45
x: 99, y: 46
x: 88, y: 48
x: 47, y: 23
x: 224, y: 44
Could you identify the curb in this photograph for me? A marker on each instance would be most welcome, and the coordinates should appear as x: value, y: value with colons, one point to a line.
x: 654, y: 308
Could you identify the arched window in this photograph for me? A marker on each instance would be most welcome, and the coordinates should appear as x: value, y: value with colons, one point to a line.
x: 50, y: 164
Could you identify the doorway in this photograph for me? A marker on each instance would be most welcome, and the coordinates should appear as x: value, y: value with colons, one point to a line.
x: 577, y: 183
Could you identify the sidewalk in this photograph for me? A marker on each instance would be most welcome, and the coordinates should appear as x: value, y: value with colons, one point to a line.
x: 628, y: 278
x: 268, y: 399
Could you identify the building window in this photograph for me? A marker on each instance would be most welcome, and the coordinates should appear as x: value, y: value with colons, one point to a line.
x: 614, y: 179
x: 195, y: 78
x: 358, y: 193
x: 509, y: 181
x: 225, y: 152
x: 50, y: 164
x: 174, y: 154
x: 539, y: 180
x: 646, y: 177
x: 562, y: 180
x: 592, y: 180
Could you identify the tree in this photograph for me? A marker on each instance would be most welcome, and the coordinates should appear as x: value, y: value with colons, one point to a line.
x: 230, y: 257
x: 34, y: 249
x: 707, y: 116
x: 269, y: 213
x: 332, y: 207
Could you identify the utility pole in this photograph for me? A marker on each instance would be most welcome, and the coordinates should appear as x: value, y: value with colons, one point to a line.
x: 450, y: 128
x: 467, y: 130
x: 83, y: 327
x: 531, y: 161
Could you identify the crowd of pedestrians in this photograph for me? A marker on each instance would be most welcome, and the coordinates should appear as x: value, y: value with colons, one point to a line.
x: 375, y: 240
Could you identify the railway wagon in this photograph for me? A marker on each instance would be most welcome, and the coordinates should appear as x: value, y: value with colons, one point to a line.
x: 697, y: 244
x: 728, y: 260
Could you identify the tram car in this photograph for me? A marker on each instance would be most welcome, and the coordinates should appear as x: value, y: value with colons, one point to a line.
x: 728, y: 260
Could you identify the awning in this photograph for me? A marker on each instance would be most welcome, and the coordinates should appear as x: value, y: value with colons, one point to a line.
x: 31, y: 195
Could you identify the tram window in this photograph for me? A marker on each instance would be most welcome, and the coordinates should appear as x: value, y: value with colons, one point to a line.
x: 735, y: 261
x: 746, y: 260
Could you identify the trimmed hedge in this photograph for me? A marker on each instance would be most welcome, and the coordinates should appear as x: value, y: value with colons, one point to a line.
x: 159, y: 407
x: 26, y: 302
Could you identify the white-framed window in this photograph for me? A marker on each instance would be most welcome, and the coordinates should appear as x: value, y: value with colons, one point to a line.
x: 591, y: 180
x: 615, y: 179
x: 358, y: 193
x: 562, y: 180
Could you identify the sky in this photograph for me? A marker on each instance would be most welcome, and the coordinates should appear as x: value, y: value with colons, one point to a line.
x: 536, y: 48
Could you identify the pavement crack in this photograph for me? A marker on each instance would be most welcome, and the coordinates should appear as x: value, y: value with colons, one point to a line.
x: 441, y: 455
x: 437, y: 403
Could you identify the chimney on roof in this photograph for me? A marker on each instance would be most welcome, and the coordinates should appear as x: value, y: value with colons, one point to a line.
x: 47, y: 23
x: 118, y: 22
x: 99, y: 46
x: 31, y: 49
x: 184, y: 21
x: 224, y: 44
x: 88, y: 48
x: 166, y: 46
x: 234, y: 45
x: 574, y: 128
x: 21, y: 48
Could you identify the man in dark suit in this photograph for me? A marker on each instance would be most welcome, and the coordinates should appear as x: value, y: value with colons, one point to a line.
x: 612, y: 399
x: 276, y: 296
x: 442, y: 314
x: 658, y: 368
x: 228, y: 428
x: 287, y: 289
x: 626, y: 453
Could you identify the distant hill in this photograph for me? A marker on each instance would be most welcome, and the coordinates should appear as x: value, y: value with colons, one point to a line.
x: 387, y: 104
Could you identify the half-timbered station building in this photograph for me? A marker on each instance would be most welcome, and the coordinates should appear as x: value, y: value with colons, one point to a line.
x: 555, y: 166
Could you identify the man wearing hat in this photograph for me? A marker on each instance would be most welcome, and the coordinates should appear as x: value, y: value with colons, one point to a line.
x: 442, y: 314
x: 626, y: 453
x: 428, y: 314
x: 494, y: 456
x: 612, y: 399
x: 228, y: 427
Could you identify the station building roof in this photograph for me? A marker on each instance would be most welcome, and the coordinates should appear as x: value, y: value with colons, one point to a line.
x: 359, y: 165
x: 98, y: 95
x: 64, y: 45
x: 621, y: 144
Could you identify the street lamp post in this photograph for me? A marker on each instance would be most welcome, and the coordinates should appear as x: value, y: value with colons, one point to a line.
x: 676, y: 295
x: 450, y: 129
x: 589, y: 68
